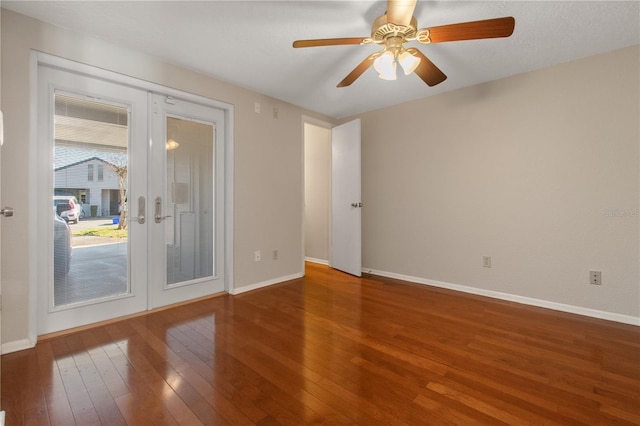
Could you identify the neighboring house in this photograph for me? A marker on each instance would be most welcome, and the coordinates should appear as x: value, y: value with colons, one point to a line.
x: 90, y: 178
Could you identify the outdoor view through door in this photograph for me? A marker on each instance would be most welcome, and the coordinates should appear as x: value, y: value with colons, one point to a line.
x: 89, y: 200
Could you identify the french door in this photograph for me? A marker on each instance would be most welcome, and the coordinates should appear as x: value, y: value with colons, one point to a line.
x: 185, y: 201
x: 145, y: 175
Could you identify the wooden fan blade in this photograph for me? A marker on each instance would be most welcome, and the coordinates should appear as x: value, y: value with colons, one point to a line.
x: 358, y: 71
x: 328, y: 42
x: 427, y: 71
x: 400, y: 12
x: 489, y: 28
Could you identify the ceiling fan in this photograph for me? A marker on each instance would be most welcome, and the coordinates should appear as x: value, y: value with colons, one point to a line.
x: 397, y: 27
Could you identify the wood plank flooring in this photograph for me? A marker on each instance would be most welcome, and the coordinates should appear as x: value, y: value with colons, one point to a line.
x: 333, y: 349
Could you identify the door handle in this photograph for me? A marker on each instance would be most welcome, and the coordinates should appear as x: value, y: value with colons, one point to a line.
x: 141, y: 208
x: 158, y: 216
x: 7, y: 211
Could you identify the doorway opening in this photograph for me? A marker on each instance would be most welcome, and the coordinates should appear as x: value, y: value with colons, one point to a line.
x: 317, y: 193
x: 332, y: 195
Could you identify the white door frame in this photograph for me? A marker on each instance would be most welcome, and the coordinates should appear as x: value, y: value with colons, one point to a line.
x: 39, y: 58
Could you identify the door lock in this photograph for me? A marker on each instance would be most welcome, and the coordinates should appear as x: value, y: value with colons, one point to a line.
x: 158, y: 216
x: 141, y: 208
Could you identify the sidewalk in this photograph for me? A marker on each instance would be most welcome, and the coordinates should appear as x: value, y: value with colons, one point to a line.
x: 77, y: 241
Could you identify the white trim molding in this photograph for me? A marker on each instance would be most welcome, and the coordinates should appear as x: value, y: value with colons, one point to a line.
x: 318, y: 261
x: 594, y: 313
x: 263, y: 284
x: 17, y: 345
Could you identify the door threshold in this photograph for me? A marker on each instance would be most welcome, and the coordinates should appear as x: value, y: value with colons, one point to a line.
x: 56, y: 334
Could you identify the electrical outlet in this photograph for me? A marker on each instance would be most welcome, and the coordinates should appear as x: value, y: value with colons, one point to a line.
x: 595, y: 277
x: 258, y: 256
x: 275, y: 255
x: 486, y: 261
x: 256, y: 107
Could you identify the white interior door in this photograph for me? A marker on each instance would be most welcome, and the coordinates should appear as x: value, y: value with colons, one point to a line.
x: 186, y: 177
x: 346, y: 204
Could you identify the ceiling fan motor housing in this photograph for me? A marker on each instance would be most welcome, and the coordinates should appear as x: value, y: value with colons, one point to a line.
x: 381, y: 29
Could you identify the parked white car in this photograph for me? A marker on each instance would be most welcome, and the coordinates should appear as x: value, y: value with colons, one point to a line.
x: 68, y: 207
x: 61, y: 246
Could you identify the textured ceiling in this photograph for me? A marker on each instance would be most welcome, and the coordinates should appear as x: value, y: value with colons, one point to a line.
x: 249, y: 43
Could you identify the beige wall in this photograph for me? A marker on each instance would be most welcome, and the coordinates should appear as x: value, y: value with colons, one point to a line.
x: 317, y: 189
x: 539, y: 171
x: 268, y: 171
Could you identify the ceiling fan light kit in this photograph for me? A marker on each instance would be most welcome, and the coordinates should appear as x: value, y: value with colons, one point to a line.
x: 399, y: 26
x: 394, y: 53
x: 385, y: 64
x: 408, y: 62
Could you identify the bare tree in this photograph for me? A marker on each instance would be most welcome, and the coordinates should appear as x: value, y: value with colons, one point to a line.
x: 121, y: 172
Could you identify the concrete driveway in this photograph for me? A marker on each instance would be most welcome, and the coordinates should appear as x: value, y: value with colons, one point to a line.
x: 98, y: 266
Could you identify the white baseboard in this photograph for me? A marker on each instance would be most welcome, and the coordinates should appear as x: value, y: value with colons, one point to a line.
x: 267, y: 283
x: 594, y: 313
x: 1, y: 418
x: 23, y: 344
x: 314, y: 260
x: 17, y: 345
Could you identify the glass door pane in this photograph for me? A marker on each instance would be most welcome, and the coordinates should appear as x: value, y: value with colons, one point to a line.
x: 189, y: 195
x: 91, y: 140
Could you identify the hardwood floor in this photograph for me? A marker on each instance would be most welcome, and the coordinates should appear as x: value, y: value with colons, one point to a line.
x: 333, y: 349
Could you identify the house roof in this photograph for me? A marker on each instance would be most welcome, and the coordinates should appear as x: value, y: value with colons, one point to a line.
x: 66, y: 157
